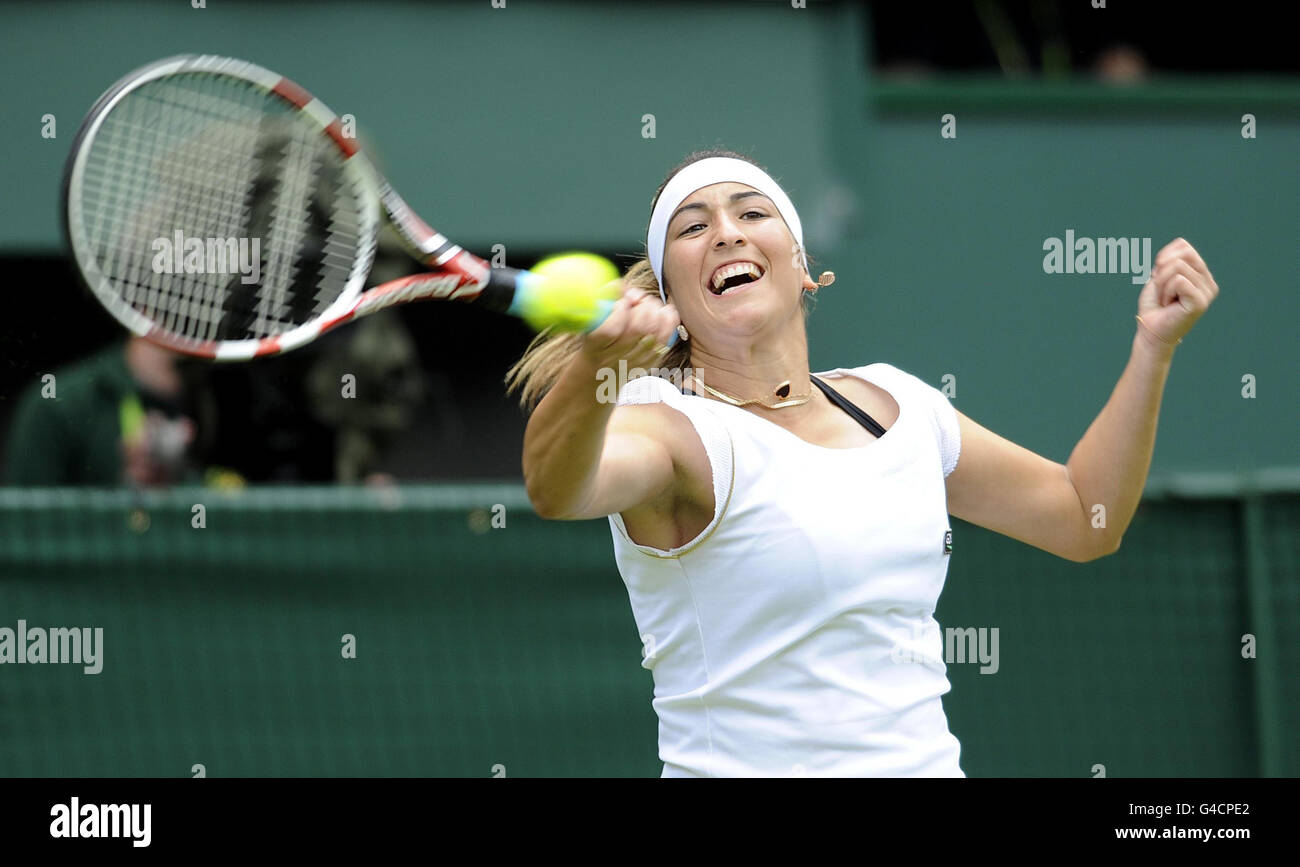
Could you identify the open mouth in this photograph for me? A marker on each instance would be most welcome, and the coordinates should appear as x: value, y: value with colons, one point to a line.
x: 734, y: 276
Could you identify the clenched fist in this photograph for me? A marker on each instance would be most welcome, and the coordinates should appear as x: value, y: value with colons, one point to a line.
x: 1179, y: 291
x: 636, y: 331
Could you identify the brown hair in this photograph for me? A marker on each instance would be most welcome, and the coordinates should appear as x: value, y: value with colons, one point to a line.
x: 550, y: 352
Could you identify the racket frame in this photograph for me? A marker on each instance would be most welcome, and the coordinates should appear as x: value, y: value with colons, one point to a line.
x: 460, y: 275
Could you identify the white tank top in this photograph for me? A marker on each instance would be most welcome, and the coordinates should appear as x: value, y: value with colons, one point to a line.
x: 796, y: 635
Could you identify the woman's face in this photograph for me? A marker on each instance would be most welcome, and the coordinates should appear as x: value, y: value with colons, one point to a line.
x: 731, y: 223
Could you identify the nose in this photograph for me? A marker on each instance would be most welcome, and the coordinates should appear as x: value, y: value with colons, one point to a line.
x: 729, y: 232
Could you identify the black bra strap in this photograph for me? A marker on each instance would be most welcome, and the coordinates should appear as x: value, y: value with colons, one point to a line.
x: 843, y: 403
x: 848, y: 406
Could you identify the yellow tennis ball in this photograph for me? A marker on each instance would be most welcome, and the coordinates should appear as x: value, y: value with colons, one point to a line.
x: 569, y: 291
x: 580, y: 268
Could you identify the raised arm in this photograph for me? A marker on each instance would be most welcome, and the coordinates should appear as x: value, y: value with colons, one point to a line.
x: 584, y: 458
x: 1013, y: 491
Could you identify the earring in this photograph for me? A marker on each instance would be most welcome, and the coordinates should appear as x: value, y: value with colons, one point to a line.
x: 681, y: 332
x: 826, y: 278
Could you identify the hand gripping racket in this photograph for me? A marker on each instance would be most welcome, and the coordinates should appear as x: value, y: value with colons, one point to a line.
x: 218, y: 209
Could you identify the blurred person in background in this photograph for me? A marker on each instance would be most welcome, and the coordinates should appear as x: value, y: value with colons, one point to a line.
x: 1121, y: 64
x: 127, y: 415
x: 138, y: 414
x: 364, y: 383
x: 1050, y: 39
x: 366, y: 389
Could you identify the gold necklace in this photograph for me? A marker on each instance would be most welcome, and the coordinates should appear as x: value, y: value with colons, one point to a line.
x: 781, y: 391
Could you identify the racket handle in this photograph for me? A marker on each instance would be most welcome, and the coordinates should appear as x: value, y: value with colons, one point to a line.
x: 604, y: 307
x: 503, y: 290
x: 536, y: 300
x: 524, y: 292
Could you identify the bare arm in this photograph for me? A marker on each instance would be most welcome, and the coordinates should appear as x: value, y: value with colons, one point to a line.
x: 584, y: 458
x: 1013, y: 491
x: 1109, y: 465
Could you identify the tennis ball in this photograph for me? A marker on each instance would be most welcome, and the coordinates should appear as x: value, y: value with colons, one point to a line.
x: 581, y: 268
x: 571, y: 291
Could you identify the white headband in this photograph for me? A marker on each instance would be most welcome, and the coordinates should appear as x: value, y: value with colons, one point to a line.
x: 703, y: 173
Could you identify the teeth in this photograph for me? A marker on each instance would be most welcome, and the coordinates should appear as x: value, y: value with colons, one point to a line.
x: 722, y: 275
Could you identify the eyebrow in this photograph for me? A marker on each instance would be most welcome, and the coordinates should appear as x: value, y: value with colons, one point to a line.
x: 735, y: 197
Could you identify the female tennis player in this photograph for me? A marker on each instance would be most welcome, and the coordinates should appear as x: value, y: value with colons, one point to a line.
x: 783, y: 535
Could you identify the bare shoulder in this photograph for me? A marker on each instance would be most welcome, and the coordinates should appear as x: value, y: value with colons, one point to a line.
x: 682, y: 511
x: 671, y: 428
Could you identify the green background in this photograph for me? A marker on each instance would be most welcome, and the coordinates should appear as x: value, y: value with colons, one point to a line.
x: 514, y: 645
x: 523, y: 126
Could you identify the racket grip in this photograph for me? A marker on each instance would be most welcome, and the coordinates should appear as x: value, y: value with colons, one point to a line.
x: 527, y: 298
x: 606, y: 307
x: 524, y: 288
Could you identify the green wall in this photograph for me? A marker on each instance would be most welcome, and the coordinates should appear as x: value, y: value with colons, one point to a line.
x: 523, y: 126
x: 515, y: 645
x: 942, y: 265
x: 519, y: 126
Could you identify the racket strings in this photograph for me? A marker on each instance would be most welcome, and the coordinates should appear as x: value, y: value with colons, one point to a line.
x: 213, y: 159
x: 166, y: 182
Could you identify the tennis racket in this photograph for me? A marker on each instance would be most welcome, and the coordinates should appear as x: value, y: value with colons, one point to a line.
x: 217, y: 208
